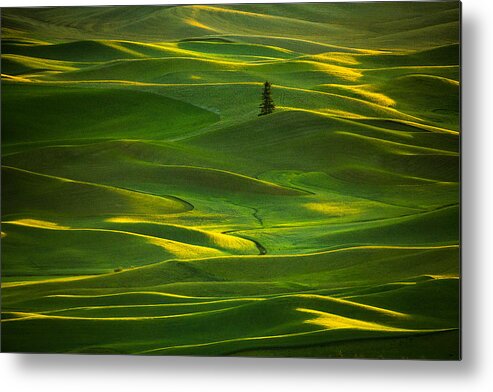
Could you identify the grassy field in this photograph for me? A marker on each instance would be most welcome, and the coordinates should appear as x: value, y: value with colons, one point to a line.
x: 147, y: 209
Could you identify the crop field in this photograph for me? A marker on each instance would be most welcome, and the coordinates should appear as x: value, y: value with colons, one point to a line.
x: 148, y: 209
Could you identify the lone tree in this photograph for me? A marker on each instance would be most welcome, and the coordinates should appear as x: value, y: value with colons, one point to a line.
x: 267, y: 106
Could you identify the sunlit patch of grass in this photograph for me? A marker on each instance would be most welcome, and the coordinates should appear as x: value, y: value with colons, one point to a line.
x: 38, y: 223
x: 333, y: 209
x: 196, y: 23
x: 332, y: 321
x: 360, y: 91
x: 335, y: 57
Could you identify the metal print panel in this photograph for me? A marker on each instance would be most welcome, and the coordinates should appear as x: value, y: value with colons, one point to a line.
x: 276, y: 180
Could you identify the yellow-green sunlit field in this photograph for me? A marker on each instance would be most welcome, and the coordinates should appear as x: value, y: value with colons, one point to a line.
x: 148, y: 209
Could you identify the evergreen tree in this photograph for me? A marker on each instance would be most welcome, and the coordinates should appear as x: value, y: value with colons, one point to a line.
x: 267, y: 106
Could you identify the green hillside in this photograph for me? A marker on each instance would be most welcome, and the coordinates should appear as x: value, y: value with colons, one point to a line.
x: 148, y: 209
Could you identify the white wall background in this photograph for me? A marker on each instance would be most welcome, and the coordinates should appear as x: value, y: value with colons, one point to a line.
x: 87, y: 373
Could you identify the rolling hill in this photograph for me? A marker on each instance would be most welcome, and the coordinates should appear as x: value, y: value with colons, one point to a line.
x: 148, y: 209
